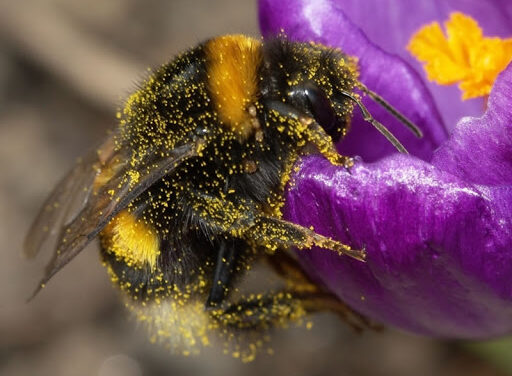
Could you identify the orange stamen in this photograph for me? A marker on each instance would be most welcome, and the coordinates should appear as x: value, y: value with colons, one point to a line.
x: 463, y: 55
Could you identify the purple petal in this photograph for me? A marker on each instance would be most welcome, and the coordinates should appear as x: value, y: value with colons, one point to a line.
x: 439, y: 244
x: 480, y: 149
x: 324, y: 22
x: 439, y: 249
x: 391, y: 23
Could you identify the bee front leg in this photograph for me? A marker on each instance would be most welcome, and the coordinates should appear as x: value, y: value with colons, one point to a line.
x: 314, y: 133
x: 317, y: 136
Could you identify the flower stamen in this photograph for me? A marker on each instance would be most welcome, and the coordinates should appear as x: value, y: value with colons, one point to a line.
x: 463, y: 55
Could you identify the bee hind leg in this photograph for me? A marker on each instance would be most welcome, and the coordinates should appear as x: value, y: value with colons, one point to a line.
x: 261, y: 311
x: 314, y: 297
x: 282, y: 308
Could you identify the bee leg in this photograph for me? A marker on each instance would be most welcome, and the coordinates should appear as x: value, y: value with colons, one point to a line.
x: 286, y: 266
x: 224, y: 266
x: 279, y: 309
x: 314, y: 133
x: 241, y: 221
x: 314, y: 298
x: 322, y: 301
x: 273, y: 234
x: 261, y: 311
x: 323, y: 142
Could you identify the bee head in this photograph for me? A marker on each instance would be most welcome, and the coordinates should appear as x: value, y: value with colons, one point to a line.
x: 311, y: 78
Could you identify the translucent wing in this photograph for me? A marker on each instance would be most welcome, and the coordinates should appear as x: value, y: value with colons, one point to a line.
x: 123, y: 182
x: 67, y: 199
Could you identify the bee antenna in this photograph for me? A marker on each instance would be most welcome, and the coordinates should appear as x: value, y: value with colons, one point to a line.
x: 393, y: 111
x: 380, y: 127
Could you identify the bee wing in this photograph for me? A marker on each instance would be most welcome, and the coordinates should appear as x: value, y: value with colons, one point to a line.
x: 109, y: 199
x: 68, y: 198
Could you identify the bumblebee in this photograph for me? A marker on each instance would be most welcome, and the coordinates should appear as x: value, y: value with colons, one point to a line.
x: 186, y: 193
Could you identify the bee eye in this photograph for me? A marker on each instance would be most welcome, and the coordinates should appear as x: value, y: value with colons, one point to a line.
x: 321, y: 108
x: 315, y: 99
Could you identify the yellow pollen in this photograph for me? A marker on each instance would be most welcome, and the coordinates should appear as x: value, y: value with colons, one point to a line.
x: 463, y: 55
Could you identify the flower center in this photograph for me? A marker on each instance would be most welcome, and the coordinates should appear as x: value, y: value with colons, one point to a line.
x: 463, y: 55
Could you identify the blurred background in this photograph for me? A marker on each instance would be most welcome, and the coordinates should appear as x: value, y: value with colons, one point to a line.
x: 65, y: 68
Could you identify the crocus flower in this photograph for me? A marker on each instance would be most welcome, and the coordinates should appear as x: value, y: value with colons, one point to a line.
x: 436, y: 224
x: 391, y: 23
